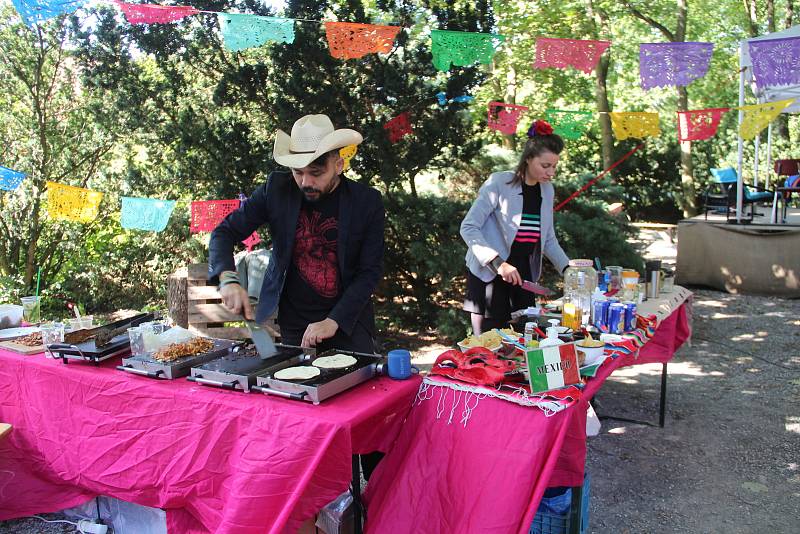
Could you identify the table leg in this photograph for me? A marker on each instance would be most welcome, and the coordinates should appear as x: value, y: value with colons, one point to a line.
x: 662, y: 408
x: 358, y: 507
x: 663, y: 405
x: 575, y: 510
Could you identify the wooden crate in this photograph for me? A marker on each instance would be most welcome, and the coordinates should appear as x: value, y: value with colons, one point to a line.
x: 206, y: 313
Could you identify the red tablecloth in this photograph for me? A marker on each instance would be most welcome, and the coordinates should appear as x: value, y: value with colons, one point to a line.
x: 489, y: 475
x: 215, y: 460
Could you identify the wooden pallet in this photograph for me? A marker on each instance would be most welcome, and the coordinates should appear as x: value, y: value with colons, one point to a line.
x: 206, y: 313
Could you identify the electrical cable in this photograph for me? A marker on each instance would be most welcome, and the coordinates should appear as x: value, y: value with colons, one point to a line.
x: 76, y: 525
x: 732, y: 347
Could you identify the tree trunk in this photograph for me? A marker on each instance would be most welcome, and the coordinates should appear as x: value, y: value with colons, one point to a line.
x: 752, y: 17
x: 510, y: 141
x: 687, y: 201
x: 770, y: 16
x: 601, y: 98
x: 599, y: 22
x: 177, y: 297
x: 782, y: 122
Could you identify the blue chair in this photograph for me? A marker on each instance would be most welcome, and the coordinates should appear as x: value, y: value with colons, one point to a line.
x: 721, y: 195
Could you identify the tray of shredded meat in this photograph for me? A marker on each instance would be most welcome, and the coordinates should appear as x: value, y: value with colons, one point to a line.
x: 177, y: 359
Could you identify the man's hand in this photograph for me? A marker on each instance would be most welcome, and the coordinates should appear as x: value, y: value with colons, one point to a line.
x: 510, y: 274
x: 234, y: 297
x: 316, y: 332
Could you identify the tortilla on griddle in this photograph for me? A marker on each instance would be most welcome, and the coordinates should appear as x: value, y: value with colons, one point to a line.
x: 337, y: 361
x: 303, y: 372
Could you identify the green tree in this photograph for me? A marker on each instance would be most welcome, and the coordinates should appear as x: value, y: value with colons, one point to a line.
x: 46, y: 131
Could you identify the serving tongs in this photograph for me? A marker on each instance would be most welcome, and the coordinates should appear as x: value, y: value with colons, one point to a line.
x: 104, y: 334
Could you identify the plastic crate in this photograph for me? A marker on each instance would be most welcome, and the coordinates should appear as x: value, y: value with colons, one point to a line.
x: 547, y: 522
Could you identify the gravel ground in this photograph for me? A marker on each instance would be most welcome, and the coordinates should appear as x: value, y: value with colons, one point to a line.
x: 728, y: 457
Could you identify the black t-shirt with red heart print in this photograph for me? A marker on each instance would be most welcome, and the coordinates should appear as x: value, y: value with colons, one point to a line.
x: 313, y: 285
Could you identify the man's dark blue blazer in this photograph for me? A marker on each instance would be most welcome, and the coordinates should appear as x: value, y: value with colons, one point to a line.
x: 276, y: 204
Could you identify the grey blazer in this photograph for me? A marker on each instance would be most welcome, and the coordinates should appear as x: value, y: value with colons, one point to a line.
x: 492, y: 223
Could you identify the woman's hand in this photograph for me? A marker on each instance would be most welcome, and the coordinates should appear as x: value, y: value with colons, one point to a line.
x: 510, y: 274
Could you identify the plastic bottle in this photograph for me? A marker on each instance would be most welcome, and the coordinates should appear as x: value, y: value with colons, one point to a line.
x: 528, y: 334
x: 552, y: 338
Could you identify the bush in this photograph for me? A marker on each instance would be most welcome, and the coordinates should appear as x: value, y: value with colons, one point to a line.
x: 424, y: 262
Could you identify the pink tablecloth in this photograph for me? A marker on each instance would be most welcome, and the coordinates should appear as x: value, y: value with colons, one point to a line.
x: 216, y: 461
x: 489, y: 475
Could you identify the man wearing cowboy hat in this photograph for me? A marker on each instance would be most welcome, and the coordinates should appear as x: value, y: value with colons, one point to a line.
x: 327, y: 243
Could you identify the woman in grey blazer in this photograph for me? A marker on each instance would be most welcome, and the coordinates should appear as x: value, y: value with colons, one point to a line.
x: 508, y: 229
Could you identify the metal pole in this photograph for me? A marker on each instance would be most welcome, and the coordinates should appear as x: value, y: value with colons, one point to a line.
x: 740, y: 156
x: 756, y: 146
x: 769, y: 155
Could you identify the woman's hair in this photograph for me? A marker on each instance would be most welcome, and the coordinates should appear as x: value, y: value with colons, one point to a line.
x: 536, y: 145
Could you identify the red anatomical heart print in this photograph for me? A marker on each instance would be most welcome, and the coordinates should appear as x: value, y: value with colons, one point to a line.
x: 315, y: 255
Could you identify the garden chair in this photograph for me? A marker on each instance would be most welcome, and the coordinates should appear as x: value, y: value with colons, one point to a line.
x: 721, y: 195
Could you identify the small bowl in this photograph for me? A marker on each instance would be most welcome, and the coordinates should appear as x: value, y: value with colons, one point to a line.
x: 591, y: 355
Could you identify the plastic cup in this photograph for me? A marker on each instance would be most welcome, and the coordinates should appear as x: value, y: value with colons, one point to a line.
x: 75, y: 324
x: 52, y: 333
x: 87, y: 321
x: 31, y: 309
x: 136, y: 337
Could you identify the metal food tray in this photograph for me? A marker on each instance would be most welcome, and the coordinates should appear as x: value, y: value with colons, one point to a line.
x: 146, y: 365
x: 328, y: 383
x: 238, y: 369
x: 88, y: 352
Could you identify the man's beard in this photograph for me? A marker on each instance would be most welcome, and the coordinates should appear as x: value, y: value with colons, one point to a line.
x: 319, y: 194
x: 316, y: 194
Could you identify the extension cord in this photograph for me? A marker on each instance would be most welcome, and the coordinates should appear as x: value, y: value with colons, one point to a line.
x: 90, y: 527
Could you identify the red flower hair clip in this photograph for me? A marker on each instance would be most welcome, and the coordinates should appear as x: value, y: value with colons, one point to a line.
x: 539, y: 127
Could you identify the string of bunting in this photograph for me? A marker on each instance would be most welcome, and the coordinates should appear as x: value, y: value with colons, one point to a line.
x: 10, y: 179
x: 150, y: 214
x: 673, y: 64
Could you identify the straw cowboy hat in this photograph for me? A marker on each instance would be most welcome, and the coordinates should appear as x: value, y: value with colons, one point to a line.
x: 312, y: 136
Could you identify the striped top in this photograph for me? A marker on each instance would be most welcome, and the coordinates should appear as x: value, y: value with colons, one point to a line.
x: 529, y: 228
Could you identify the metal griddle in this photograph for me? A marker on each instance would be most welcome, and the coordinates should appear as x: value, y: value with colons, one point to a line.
x: 87, y: 351
x: 237, y: 370
x: 146, y: 365
x: 328, y: 383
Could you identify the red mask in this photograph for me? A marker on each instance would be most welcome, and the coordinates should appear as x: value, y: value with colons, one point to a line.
x: 477, y: 366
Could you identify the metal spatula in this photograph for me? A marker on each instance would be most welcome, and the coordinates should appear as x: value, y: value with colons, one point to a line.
x: 261, y: 339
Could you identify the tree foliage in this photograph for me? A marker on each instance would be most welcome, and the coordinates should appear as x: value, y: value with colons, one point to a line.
x: 166, y: 111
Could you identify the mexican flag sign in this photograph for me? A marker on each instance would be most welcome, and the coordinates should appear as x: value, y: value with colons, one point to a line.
x: 552, y: 367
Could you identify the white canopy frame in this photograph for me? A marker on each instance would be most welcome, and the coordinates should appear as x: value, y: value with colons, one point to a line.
x: 765, y: 94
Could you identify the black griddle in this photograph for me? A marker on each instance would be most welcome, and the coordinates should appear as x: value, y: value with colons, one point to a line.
x: 87, y: 351
x: 237, y: 370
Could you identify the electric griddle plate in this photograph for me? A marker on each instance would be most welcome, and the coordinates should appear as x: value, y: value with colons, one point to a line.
x: 146, y: 365
x: 237, y: 370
